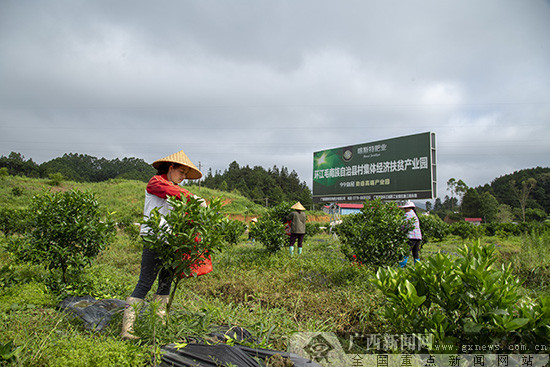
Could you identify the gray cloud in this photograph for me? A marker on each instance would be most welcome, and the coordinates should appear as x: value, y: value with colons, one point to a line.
x: 268, y: 83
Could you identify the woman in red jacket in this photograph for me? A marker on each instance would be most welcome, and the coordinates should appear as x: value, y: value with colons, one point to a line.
x: 171, y: 171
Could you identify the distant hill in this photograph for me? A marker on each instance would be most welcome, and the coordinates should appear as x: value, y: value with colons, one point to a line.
x: 502, y: 188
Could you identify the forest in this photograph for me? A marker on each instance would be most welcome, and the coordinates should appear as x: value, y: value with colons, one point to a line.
x: 521, y: 196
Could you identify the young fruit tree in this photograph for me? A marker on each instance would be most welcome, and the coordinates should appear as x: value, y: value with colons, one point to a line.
x: 377, y: 235
x: 184, y: 237
x: 67, y: 230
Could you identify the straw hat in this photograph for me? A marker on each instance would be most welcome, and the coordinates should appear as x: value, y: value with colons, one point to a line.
x: 298, y: 206
x: 182, y: 159
x: 408, y: 204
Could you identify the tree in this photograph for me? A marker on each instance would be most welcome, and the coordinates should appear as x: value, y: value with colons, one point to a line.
x: 428, y: 206
x: 471, y: 204
x: 522, y: 193
x: 184, y: 236
x: 270, y: 230
x: 68, y: 231
x: 504, y: 214
x: 17, y: 165
x: 535, y: 214
x: 457, y: 187
x: 377, y: 235
x: 489, y: 207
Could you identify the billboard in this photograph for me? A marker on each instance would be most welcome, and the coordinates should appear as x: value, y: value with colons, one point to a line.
x: 394, y: 169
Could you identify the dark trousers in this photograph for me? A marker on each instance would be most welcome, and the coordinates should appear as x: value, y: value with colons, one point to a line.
x: 297, y: 236
x: 415, y: 247
x: 150, y: 268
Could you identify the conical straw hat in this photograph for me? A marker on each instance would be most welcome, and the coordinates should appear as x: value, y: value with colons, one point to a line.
x: 298, y: 206
x: 181, y: 158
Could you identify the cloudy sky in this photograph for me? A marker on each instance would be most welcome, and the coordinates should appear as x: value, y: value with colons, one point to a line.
x: 268, y: 83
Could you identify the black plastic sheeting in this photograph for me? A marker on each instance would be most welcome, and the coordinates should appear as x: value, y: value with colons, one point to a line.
x: 96, y: 314
x: 204, y: 355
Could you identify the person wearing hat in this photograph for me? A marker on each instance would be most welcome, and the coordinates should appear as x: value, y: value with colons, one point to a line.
x: 171, y: 171
x: 415, y: 236
x: 253, y: 222
x: 297, y: 220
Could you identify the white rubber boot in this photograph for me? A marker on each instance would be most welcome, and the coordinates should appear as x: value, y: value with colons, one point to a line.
x: 129, y: 318
x: 162, y: 303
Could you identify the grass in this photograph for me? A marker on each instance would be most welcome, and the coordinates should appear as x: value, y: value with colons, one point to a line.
x: 272, y: 296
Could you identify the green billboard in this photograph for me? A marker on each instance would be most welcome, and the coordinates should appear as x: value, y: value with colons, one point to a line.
x: 401, y: 168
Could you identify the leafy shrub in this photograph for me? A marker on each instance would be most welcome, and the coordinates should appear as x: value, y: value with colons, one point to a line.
x: 501, y: 229
x: 270, y: 230
x: 464, y: 300
x: 56, y: 179
x: 534, y: 227
x: 232, y: 230
x: 313, y: 228
x: 466, y: 230
x: 377, y: 235
x: 186, y: 233
x: 433, y: 228
x: 67, y: 230
x: 13, y: 221
x: 17, y: 191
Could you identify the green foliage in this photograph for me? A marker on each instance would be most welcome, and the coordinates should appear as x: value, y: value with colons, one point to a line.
x: 377, y: 235
x: 232, y: 231
x: 504, y: 188
x: 85, y: 168
x: 25, y: 296
x: 17, y: 191
x: 464, y: 300
x: 91, y: 351
x: 502, y: 230
x: 535, y: 214
x: 12, y: 221
x: 180, y: 325
x: 532, y: 263
x: 56, y: 179
x: 18, y: 165
x: 314, y: 228
x: 67, y: 230
x: 4, y: 173
x: 266, y: 187
x: 8, y: 352
x: 433, y: 228
x: 466, y: 230
x: 187, y: 232
x: 270, y: 230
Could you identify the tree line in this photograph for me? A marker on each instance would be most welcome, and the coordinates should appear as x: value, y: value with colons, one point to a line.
x: 79, y: 168
x: 267, y: 187
x: 520, y: 196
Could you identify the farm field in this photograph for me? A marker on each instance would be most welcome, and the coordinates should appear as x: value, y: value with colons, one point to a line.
x: 270, y: 295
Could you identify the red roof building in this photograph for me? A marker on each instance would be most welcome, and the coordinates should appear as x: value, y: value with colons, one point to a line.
x: 476, y: 221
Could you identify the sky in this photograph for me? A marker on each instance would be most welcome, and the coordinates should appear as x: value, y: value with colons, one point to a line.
x: 267, y: 83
